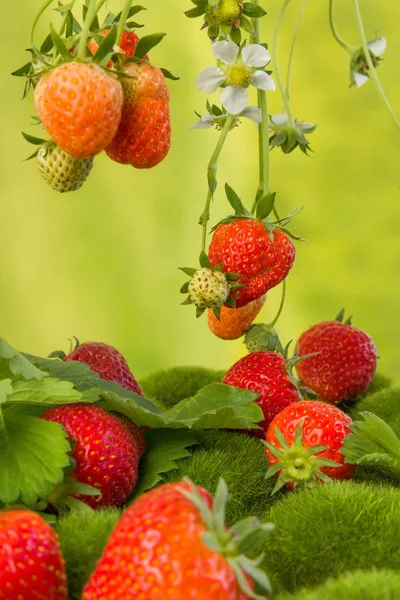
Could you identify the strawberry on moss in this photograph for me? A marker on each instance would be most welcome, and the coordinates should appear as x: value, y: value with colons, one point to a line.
x: 182, y: 528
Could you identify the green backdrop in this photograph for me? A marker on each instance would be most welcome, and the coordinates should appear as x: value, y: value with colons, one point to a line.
x: 102, y: 263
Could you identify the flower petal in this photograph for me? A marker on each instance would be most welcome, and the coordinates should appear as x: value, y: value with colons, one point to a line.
x: 280, y: 119
x: 253, y: 113
x: 209, y: 79
x: 255, y: 55
x: 226, y: 51
x: 262, y: 81
x: 359, y: 79
x: 234, y: 99
x: 204, y: 122
x: 378, y: 46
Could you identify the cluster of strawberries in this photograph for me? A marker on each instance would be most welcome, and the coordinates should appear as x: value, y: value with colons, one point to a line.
x: 87, y: 106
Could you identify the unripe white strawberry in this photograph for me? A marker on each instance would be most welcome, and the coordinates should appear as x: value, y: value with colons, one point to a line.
x: 208, y: 289
x: 225, y: 12
x: 64, y: 173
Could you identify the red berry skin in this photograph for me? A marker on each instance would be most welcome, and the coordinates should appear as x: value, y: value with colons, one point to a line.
x: 134, y: 431
x: 31, y: 563
x: 156, y: 552
x: 344, y: 364
x: 264, y: 373
x: 105, y: 452
x: 244, y: 247
x: 129, y: 41
x: 324, y: 425
x: 107, y: 362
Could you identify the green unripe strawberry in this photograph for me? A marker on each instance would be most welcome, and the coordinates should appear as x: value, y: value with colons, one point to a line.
x: 225, y: 13
x: 208, y: 289
x: 63, y: 172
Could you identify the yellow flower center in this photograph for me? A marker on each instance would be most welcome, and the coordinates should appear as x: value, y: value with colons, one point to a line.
x: 239, y: 75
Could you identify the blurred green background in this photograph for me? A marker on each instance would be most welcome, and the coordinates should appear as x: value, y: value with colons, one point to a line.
x: 102, y: 263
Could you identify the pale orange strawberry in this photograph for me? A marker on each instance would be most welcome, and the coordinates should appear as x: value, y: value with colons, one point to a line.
x: 234, y: 322
x: 80, y: 106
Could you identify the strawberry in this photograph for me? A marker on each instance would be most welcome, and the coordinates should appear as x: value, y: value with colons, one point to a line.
x: 134, y: 431
x: 80, y: 106
x: 244, y: 246
x: 159, y: 550
x: 143, y: 137
x: 234, y: 322
x: 107, y: 362
x: 208, y: 288
x: 129, y: 41
x: 304, y: 444
x: 62, y: 172
x: 105, y: 452
x: 31, y: 563
x: 266, y: 374
x: 344, y: 362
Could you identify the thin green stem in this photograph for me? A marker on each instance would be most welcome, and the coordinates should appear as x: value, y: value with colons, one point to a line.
x: 372, y: 70
x: 65, y: 17
x: 293, y: 45
x: 212, y: 177
x: 274, y: 53
x: 335, y: 34
x: 44, y: 6
x: 122, y: 21
x: 281, y: 305
x: 92, y: 10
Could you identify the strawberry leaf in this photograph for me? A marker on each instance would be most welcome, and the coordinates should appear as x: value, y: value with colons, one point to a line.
x: 163, y: 448
x: 147, y: 43
x: 33, y: 140
x: 254, y: 11
x: 265, y: 206
x: 48, y: 390
x: 59, y: 45
x: 33, y: 454
x: 235, y: 201
x: 14, y: 365
x: 106, y: 46
x: 169, y: 75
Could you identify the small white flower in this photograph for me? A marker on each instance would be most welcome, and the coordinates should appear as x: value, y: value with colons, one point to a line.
x: 377, y: 47
x: 237, y: 69
x: 250, y: 112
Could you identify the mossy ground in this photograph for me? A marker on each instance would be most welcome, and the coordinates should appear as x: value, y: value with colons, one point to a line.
x: 320, y: 534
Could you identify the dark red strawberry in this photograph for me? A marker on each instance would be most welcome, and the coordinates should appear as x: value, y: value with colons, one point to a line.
x: 304, y: 444
x: 245, y: 247
x: 107, y: 362
x: 105, y: 452
x: 134, y: 431
x: 266, y: 374
x: 159, y: 550
x: 31, y: 563
x: 344, y: 362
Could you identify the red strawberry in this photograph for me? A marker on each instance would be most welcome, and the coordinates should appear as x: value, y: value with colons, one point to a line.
x: 134, y: 431
x: 265, y: 373
x: 234, y: 322
x: 129, y: 41
x: 344, y: 364
x: 304, y: 442
x: 80, y: 106
x: 105, y: 452
x: 244, y: 247
x: 143, y: 137
x: 31, y: 563
x: 158, y: 550
x: 107, y: 362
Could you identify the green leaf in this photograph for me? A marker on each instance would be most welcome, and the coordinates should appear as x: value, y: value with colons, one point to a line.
x: 5, y: 390
x: 163, y: 448
x: 169, y: 75
x: 265, y: 206
x: 235, y: 201
x: 254, y: 11
x: 33, y: 140
x: 106, y: 46
x: 14, y: 365
x: 33, y: 454
x: 199, y: 311
x: 23, y: 71
x: 236, y: 35
x: 47, y: 45
x: 195, y: 12
x: 59, y: 44
x: 185, y: 288
x: 146, y: 44
x: 246, y: 24
x: 204, y: 260
x: 188, y: 271
x: 371, y: 438
x: 49, y: 390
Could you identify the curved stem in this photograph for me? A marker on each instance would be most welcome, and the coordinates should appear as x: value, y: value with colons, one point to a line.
x: 45, y: 5
x: 274, y: 54
x: 292, y: 47
x: 372, y: 70
x: 281, y: 305
x: 212, y: 177
x: 335, y: 34
x: 122, y: 21
x: 90, y: 15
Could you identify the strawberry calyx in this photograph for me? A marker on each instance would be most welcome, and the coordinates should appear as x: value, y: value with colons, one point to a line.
x: 233, y: 542
x: 340, y: 318
x: 261, y: 336
x: 296, y: 464
x: 209, y: 287
x: 60, y: 354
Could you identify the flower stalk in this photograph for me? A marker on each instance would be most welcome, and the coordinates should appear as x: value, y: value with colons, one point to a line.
x: 274, y: 54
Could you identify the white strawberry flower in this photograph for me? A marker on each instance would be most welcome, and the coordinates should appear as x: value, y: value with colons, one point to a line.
x: 359, y: 65
x: 209, y: 120
x: 238, y: 68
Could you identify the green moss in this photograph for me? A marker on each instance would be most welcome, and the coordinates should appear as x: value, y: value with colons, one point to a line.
x: 385, y: 404
x: 167, y: 388
x: 83, y: 535
x: 356, y: 585
x: 240, y: 460
x: 331, y: 529
x: 380, y: 382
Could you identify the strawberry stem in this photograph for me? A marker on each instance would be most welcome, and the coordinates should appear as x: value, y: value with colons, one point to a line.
x: 122, y: 21
x: 41, y: 10
x: 92, y: 11
x: 292, y: 47
x: 274, y: 54
x: 281, y: 305
x: 335, y: 34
